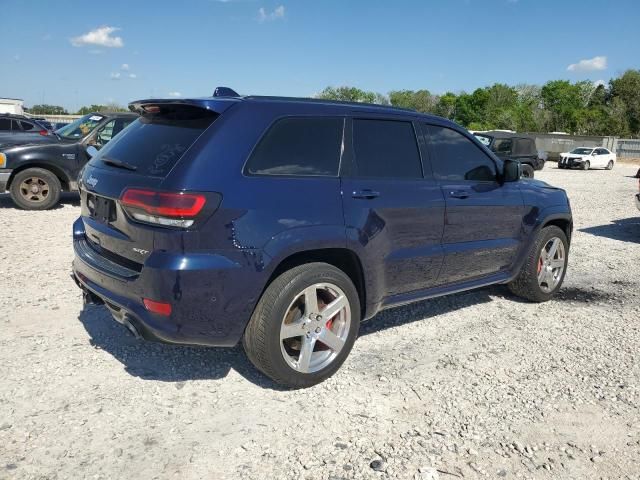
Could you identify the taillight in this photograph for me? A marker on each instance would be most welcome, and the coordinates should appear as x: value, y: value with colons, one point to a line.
x: 44, y: 133
x: 163, y: 208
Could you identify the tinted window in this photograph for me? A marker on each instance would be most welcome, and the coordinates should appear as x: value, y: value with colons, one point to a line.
x: 110, y: 130
x: 386, y: 149
x: 525, y: 146
x: 15, y: 126
x: 299, y: 146
x: 455, y: 157
x: 26, y: 126
x: 155, y: 142
x: 502, y: 145
x: 5, y: 124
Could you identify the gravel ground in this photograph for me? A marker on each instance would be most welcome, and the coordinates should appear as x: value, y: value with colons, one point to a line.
x: 470, y: 385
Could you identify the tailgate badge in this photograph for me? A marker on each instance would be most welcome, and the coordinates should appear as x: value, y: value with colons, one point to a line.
x: 92, y: 181
x: 141, y: 251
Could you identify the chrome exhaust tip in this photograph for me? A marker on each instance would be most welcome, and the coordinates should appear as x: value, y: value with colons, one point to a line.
x: 131, y: 327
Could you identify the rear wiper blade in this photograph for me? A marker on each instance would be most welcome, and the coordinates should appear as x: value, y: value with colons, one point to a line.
x: 119, y: 164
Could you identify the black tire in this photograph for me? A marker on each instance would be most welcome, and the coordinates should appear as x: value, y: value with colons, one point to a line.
x: 261, y: 340
x: 47, y: 183
x: 609, y: 165
x: 586, y: 165
x: 527, y: 171
x: 561, y: 166
x: 526, y: 285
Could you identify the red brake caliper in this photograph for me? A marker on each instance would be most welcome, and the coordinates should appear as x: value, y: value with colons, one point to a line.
x: 539, y: 264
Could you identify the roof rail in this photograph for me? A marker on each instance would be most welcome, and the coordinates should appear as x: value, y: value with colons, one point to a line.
x: 322, y: 100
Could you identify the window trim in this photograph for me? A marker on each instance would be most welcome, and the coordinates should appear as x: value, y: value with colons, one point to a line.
x: 498, y: 166
x: 246, y: 173
x: 352, y: 171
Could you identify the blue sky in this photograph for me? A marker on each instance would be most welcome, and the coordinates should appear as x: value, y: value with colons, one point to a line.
x: 73, y: 53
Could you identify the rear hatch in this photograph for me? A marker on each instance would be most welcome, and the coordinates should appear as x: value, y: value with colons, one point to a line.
x: 123, y: 204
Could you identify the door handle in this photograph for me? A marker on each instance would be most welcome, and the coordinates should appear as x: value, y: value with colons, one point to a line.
x: 365, y: 194
x: 459, y: 194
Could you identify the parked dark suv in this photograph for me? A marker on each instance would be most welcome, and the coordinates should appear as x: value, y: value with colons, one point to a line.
x: 285, y: 222
x: 37, y: 169
x: 514, y: 146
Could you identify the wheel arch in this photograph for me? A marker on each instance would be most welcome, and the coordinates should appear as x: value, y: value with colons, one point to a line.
x: 562, y: 222
x: 57, y: 171
x: 342, y: 258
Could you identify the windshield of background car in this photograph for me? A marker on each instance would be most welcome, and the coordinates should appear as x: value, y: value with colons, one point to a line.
x: 484, y: 140
x: 81, y: 127
x: 582, y: 151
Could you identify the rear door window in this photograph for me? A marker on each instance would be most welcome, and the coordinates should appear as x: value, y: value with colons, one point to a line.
x: 386, y: 149
x: 27, y: 126
x: 154, y: 143
x: 299, y: 146
x: 5, y: 124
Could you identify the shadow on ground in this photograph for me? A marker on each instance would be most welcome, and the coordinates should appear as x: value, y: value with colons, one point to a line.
x: 625, y: 230
x: 175, y: 363
x: 66, y: 199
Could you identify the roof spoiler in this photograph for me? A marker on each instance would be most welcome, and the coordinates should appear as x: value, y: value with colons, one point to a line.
x: 225, y: 92
x: 216, y: 104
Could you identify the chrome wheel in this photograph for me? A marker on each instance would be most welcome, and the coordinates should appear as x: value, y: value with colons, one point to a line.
x: 551, y: 264
x: 315, y: 327
x: 34, y: 189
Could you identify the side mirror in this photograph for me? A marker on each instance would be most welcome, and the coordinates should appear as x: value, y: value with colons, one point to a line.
x: 593, y: 154
x: 92, y: 151
x: 512, y: 171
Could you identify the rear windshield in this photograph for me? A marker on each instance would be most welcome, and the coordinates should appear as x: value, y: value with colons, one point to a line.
x: 154, y: 143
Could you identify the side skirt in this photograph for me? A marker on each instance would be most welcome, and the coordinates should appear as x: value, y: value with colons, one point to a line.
x: 406, y: 298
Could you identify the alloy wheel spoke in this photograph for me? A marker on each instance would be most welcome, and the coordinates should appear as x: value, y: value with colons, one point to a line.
x: 549, y: 280
x: 310, y: 300
x: 306, y: 350
x: 554, y: 247
x: 334, y: 308
x: 331, y: 340
x: 541, y: 275
x: 557, y: 263
x: 291, y: 330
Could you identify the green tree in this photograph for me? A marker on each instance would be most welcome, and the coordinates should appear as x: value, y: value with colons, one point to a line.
x: 563, y: 100
x: 109, y: 107
x: 446, y: 106
x: 627, y: 90
x: 90, y: 109
x: 348, y: 94
x: 44, y: 109
x: 420, y: 101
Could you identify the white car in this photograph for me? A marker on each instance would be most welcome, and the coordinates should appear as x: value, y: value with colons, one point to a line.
x: 588, y: 157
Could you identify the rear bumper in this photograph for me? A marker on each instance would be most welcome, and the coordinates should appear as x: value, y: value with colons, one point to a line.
x: 4, y: 179
x: 212, y: 296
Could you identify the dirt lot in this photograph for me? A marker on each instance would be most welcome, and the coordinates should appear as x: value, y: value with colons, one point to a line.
x: 470, y: 385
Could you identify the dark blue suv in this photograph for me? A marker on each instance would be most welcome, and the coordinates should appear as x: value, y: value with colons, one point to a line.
x: 286, y: 222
